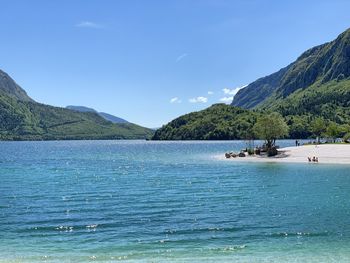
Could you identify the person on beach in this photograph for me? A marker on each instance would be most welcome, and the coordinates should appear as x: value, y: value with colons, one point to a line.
x: 313, y: 159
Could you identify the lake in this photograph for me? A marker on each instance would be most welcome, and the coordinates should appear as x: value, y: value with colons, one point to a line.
x: 143, y: 201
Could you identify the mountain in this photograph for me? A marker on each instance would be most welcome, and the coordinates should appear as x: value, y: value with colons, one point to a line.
x: 112, y: 118
x: 9, y: 87
x: 80, y: 108
x: 21, y: 118
x: 218, y: 122
x: 106, y: 116
x: 314, y: 87
x: 316, y: 66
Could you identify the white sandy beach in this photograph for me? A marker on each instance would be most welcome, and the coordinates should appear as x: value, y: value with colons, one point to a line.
x: 326, y: 153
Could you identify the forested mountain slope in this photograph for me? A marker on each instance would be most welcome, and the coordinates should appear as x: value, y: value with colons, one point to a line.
x: 21, y: 118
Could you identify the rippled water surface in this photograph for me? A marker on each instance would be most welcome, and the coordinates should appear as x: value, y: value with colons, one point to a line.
x: 81, y: 201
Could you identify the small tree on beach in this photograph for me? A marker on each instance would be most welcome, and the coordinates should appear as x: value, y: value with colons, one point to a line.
x: 333, y: 131
x: 270, y: 128
x: 318, y: 127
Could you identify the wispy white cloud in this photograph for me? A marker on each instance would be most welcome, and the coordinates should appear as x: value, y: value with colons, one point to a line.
x: 230, y: 93
x: 233, y: 91
x: 210, y: 93
x: 181, y: 57
x: 226, y: 100
x: 199, y: 99
x: 175, y: 100
x: 88, y: 24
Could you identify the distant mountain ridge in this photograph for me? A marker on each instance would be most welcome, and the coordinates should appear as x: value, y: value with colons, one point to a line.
x: 21, y: 118
x: 112, y: 118
x: 80, y: 108
x: 106, y: 116
x: 321, y: 64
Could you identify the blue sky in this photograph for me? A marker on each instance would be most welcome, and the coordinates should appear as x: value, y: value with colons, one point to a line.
x: 151, y: 61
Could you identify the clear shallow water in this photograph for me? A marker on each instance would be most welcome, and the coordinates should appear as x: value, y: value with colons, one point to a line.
x: 105, y: 201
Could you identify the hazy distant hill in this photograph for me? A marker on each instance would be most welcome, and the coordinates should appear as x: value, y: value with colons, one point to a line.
x: 21, y: 118
x: 106, y: 116
x: 80, y: 108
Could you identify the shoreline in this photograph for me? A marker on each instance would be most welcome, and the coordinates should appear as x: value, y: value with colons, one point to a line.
x: 326, y: 153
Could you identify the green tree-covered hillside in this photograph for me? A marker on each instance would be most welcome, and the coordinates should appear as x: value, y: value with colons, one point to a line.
x: 27, y: 120
x: 218, y: 122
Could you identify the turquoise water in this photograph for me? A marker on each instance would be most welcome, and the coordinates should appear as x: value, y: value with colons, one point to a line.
x: 106, y: 201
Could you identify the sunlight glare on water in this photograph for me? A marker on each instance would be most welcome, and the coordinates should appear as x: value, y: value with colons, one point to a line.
x: 167, y: 202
